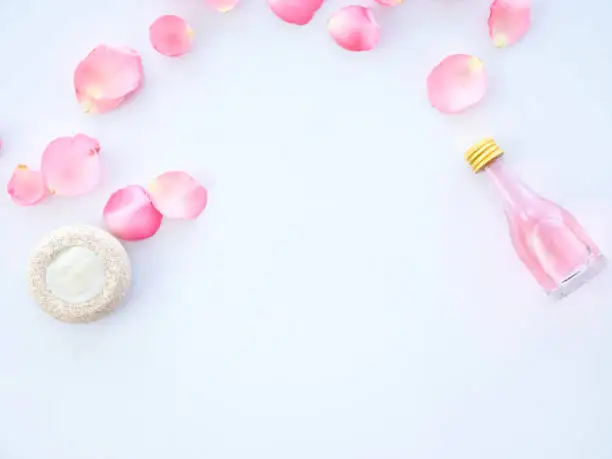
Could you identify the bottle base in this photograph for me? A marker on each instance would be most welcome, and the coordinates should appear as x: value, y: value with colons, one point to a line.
x: 580, y: 277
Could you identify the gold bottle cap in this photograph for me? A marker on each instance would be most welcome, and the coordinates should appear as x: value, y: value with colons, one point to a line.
x: 482, y: 153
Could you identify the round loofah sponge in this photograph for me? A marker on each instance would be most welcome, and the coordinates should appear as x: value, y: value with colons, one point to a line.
x: 79, y: 273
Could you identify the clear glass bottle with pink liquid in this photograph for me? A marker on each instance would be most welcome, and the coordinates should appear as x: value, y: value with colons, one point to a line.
x: 549, y: 240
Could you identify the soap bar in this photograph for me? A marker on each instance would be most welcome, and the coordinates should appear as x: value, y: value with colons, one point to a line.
x: 79, y: 273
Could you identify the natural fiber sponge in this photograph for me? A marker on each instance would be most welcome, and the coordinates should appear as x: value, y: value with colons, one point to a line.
x: 79, y: 273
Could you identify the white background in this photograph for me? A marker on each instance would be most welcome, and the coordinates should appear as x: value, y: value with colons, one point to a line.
x: 351, y: 291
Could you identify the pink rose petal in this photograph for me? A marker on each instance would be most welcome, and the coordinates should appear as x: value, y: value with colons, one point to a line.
x: 178, y: 195
x: 129, y: 214
x: 171, y: 35
x: 354, y: 28
x: 456, y: 83
x: 223, y: 6
x: 299, y: 12
x: 71, y: 165
x: 26, y: 187
x: 509, y: 20
x: 389, y: 2
x: 107, y: 77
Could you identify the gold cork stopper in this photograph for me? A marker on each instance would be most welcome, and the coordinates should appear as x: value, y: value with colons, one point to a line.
x: 482, y: 153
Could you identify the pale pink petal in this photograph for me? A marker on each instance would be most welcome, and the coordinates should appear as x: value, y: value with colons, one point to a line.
x: 389, y: 2
x: 171, y: 35
x: 299, y: 12
x: 178, y: 195
x: 26, y: 187
x: 107, y: 77
x: 223, y: 6
x: 509, y: 20
x: 129, y: 214
x: 71, y: 165
x: 354, y: 28
x: 456, y: 83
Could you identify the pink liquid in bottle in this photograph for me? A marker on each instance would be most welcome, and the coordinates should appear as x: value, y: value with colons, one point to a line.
x: 550, y: 242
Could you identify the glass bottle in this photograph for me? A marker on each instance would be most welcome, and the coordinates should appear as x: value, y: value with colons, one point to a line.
x: 549, y: 240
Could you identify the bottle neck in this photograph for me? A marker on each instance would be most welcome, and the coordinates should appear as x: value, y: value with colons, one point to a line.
x: 514, y: 193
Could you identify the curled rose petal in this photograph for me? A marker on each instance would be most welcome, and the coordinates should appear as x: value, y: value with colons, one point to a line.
x: 71, y: 165
x: 171, y: 35
x: 456, y: 83
x: 130, y: 215
x: 178, y: 195
x: 107, y: 77
x: 354, y: 28
x: 223, y: 6
x: 389, y: 2
x: 509, y: 20
x: 299, y: 12
x: 26, y: 187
